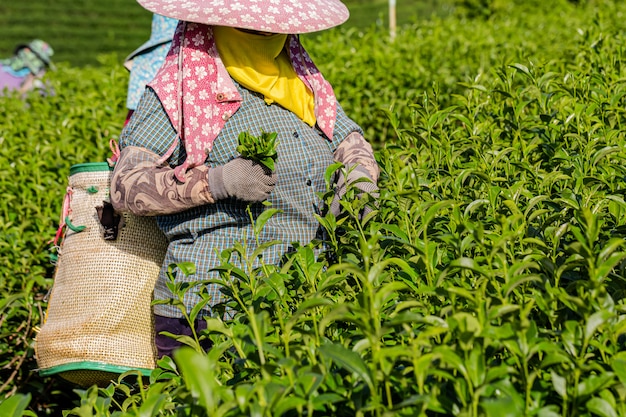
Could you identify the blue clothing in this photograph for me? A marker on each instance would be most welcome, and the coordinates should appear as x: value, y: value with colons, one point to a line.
x: 145, y: 61
x: 199, y: 234
x: 21, y: 73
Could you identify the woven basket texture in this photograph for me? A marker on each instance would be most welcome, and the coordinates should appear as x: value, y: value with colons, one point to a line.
x: 99, y: 307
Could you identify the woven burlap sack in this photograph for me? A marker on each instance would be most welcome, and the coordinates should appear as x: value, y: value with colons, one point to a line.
x: 99, y: 320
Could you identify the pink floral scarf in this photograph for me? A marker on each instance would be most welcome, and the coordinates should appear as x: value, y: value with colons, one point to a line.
x: 209, y: 96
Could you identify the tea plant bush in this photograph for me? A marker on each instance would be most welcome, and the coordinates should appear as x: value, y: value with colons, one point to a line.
x: 489, y: 281
x: 372, y: 72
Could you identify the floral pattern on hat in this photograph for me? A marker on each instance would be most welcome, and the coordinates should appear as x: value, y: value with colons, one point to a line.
x: 195, y: 76
x: 277, y: 16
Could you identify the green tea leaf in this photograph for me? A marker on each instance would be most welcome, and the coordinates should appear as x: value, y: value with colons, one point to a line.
x: 619, y: 366
x: 261, y: 149
x: 198, y: 375
x: 559, y: 384
x: 601, y: 407
x: 14, y: 406
x: 348, y: 360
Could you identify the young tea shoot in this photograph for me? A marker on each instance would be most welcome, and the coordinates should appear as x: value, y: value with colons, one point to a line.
x: 261, y: 149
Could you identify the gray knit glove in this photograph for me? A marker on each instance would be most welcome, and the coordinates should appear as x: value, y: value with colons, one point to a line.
x: 242, y: 179
x: 360, y: 179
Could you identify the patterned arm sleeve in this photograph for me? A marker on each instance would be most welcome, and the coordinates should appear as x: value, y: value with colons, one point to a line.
x: 355, y: 150
x: 144, y: 188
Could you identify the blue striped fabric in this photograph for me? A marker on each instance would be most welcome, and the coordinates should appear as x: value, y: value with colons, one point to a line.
x: 200, y: 234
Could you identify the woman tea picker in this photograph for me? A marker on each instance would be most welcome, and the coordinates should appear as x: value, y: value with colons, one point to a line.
x: 235, y: 66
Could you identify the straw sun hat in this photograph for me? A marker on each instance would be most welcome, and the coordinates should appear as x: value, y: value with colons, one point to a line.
x: 276, y: 16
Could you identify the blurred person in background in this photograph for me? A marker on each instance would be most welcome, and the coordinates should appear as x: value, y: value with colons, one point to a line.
x: 24, y: 71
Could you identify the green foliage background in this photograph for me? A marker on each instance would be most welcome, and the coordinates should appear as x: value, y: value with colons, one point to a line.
x: 489, y: 281
x: 81, y: 30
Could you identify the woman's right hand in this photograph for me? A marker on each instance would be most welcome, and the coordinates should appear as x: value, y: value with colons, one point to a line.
x: 241, y: 179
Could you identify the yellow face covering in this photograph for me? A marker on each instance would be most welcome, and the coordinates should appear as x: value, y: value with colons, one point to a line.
x: 260, y: 63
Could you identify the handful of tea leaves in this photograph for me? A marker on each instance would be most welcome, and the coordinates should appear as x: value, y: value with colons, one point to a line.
x: 261, y: 149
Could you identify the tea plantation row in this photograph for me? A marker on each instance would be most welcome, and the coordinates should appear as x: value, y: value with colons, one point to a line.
x: 489, y: 281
